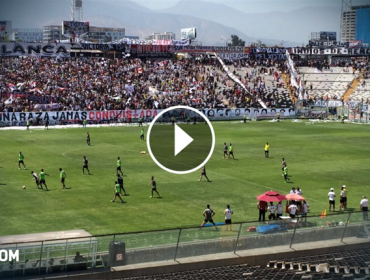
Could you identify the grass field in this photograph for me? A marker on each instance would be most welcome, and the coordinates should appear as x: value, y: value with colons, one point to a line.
x: 319, y: 156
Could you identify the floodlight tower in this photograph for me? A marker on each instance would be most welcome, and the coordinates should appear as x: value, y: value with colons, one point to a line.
x: 346, y: 6
x: 76, y: 10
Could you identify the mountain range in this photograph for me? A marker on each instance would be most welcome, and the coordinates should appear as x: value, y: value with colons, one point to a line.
x: 214, y: 22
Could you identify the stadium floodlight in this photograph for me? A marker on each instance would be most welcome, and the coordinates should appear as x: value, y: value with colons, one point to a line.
x: 76, y: 10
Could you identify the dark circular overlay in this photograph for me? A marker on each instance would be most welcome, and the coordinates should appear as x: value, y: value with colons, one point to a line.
x: 161, y: 140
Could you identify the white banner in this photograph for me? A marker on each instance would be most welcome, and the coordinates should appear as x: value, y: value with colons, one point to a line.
x: 331, y: 51
x: 29, y: 49
x: 233, y: 56
x: 71, y: 117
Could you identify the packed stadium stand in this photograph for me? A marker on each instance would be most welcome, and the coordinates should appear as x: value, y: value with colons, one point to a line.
x: 105, y: 84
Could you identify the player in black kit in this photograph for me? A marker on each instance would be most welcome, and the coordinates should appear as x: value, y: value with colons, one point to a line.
x: 120, y: 182
x: 88, y: 139
x: 86, y: 162
x: 203, y: 173
x: 154, y: 187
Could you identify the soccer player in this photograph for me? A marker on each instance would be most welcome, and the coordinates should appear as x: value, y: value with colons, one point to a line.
x: 245, y: 118
x: 278, y: 116
x: 47, y: 124
x: 117, y: 193
x: 342, y: 118
x: 173, y: 120
x: 225, y: 150
x: 63, y: 176
x: 119, y: 165
x: 154, y: 187
x: 208, y: 216
x: 88, y: 139
x: 20, y: 160
x: 188, y: 120
x: 140, y: 121
x: 42, y: 179
x: 285, y: 173
x: 267, y: 147
x: 231, y: 151
x: 84, y: 122
x: 28, y: 124
x: 228, y: 212
x: 203, y: 173
x: 36, y: 178
x: 283, y: 164
x: 120, y: 182
x: 86, y: 162
x: 142, y: 134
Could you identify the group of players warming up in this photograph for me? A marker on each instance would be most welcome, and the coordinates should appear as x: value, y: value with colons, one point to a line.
x: 228, y: 151
x: 40, y: 178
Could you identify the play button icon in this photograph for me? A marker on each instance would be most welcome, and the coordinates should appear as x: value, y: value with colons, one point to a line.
x: 180, y: 139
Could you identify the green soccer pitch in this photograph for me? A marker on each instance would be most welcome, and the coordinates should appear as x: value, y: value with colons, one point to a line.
x: 319, y: 156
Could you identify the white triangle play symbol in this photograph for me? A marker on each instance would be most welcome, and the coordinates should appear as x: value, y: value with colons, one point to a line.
x: 182, y: 139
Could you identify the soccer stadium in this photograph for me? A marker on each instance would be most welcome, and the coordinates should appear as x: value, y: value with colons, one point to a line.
x: 170, y: 159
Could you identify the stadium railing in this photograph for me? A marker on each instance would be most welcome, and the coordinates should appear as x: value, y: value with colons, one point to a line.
x: 104, y: 251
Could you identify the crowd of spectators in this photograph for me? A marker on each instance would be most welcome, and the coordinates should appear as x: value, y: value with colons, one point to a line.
x: 118, y: 84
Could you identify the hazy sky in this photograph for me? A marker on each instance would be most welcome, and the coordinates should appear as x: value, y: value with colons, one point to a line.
x: 255, y: 6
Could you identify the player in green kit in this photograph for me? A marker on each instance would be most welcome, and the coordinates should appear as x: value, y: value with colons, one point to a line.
x: 142, y: 134
x: 119, y: 166
x: 20, y: 160
x: 117, y: 190
x: 231, y: 151
x: 285, y: 173
x: 42, y: 179
x: 63, y: 176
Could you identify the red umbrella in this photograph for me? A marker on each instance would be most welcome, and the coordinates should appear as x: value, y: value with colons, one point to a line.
x: 271, y: 196
x: 294, y: 196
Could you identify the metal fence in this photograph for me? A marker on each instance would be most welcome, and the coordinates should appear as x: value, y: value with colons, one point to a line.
x: 97, y: 252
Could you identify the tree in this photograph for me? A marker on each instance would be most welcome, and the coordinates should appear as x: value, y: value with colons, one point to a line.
x: 236, y: 41
x: 260, y: 44
x: 107, y: 38
x: 4, y: 38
